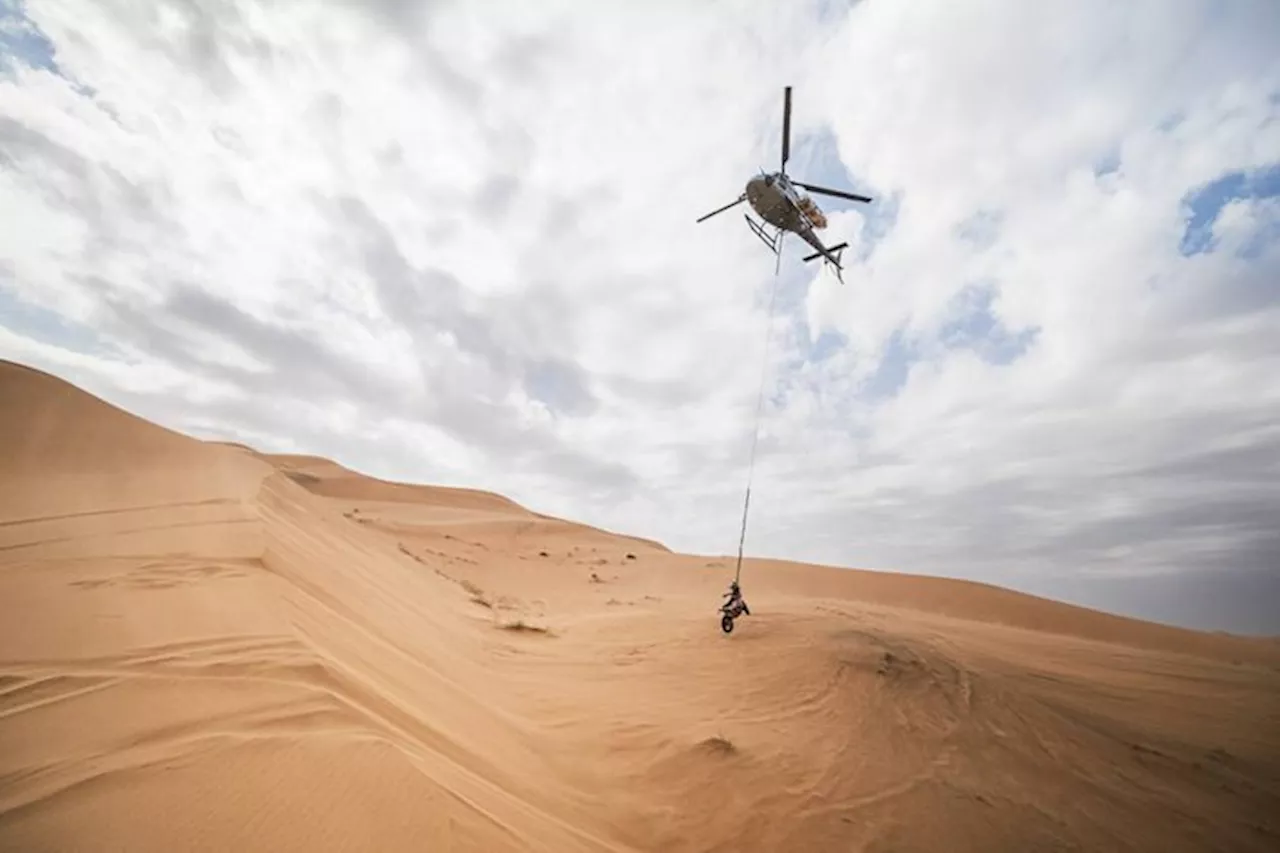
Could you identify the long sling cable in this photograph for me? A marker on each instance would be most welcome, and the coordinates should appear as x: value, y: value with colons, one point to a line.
x: 751, y: 467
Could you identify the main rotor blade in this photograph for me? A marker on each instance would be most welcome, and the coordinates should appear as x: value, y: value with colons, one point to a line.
x: 740, y: 200
x: 786, y: 128
x: 825, y: 191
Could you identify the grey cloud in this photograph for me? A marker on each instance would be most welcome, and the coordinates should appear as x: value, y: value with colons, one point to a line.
x: 508, y: 142
x: 1186, y: 502
x: 291, y: 353
x: 562, y: 217
x: 1254, y: 465
x: 1184, y: 506
x: 400, y: 16
x: 20, y: 145
x: 1184, y: 535
x: 417, y: 300
x: 312, y: 374
x: 1195, y: 503
x: 212, y: 32
x: 494, y: 198
x: 1185, y: 564
x: 465, y: 90
x: 62, y: 175
x: 389, y: 157
x: 415, y: 23
x: 710, y: 463
x: 537, y: 320
x: 519, y: 61
x: 1212, y: 598
x: 664, y: 394
x: 232, y: 141
x: 217, y: 31
x: 982, y: 229
x: 119, y: 318
x: 504, y: 334
x: 523, y: 60
x: 295, y: 359
x: 327, y: 109
x: 501, y: 342
x: 1249, y: 290
x: 116, y: 209
x: 255, y: 418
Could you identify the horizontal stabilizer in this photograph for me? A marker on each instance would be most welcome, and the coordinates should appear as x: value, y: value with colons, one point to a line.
x: 835, y: 250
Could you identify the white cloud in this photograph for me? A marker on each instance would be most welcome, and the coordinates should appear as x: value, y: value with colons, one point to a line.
x: 455, y: 242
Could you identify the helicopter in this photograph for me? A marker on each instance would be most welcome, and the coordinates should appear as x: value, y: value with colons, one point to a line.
x: 781, y: 203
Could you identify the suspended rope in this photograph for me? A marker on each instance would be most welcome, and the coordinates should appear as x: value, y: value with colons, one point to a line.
x: 755, y: 436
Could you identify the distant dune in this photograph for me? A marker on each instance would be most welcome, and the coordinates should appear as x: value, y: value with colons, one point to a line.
x: 203, y: 647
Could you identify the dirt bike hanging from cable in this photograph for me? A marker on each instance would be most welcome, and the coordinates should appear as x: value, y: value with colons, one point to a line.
x: 731, y: 610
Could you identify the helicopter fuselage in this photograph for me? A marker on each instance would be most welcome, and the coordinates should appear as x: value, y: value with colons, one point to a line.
x: 777, y: 201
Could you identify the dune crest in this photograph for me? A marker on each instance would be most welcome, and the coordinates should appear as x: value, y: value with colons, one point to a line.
x: 207, y: 647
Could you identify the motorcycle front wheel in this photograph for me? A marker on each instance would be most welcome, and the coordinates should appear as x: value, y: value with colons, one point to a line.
x: 726, y: 623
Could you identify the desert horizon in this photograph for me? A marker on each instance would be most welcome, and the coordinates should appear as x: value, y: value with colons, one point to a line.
x: 208, y: 647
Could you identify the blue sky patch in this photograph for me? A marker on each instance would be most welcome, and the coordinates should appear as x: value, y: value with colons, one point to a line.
x: 815, y: 159
x: 1206, y: 202
x: 827, y: 345
x: 1172, y: 121
x: 46, y: 326
x: 833, y: 12
x: 982, y: 229
x: 1107, y: 164
x: 559, y: 386
x: 879, y: 218
x: 975, y: 326
x: 891, y: 372
x: 22, y: 42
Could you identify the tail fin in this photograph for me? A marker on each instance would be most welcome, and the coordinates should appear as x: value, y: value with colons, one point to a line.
x: 832, y: 256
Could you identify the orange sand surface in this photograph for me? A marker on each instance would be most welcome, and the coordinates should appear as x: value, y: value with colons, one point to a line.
x: 207, y: 648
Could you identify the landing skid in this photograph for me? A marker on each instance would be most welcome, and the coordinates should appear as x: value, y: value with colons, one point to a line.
x: 773, y: 243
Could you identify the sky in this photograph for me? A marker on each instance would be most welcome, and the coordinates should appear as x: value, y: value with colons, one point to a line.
x: 455, y: 243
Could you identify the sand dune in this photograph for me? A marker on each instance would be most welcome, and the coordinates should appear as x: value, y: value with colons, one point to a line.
x: 204, y: 647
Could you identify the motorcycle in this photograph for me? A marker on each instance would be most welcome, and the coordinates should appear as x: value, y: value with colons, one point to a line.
x: 731, y: 611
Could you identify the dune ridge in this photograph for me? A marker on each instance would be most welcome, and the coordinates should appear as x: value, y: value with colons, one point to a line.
x: 206, y: 647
